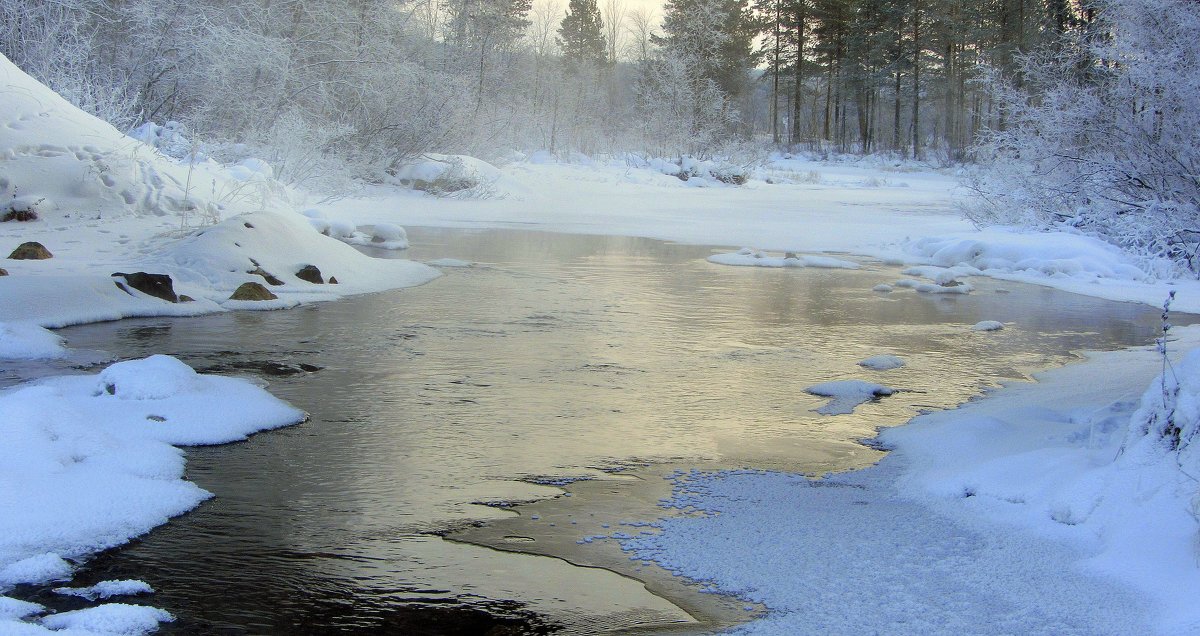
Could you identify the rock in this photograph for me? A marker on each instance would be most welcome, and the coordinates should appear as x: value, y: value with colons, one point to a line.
x: 311, y: 274
x: 333, y: 280
x: 22, y: 209
x: 3, y: 272
x: 31, y: 251
x: 157, y: 285
x: 184, y: 298
x: 19, y: 215
x: 270, y: 278
x: 252, y: 291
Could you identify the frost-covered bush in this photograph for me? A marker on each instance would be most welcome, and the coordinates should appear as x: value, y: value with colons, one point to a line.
x: 1102, y: 135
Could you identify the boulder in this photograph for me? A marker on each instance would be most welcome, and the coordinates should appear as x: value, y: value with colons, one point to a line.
x: 252, y: 291
x: 157, y: 285
x: 3, y: 272
x: 31, y: 251
x: 333, y: 280
x: 311, y: 274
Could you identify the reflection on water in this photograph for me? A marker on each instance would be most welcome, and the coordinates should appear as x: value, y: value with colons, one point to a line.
x: 557, y: 356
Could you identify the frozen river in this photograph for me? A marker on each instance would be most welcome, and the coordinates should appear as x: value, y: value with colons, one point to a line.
x: 556, y: 358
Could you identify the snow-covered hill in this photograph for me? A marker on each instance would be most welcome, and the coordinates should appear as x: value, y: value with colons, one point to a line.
x: 107, y: 203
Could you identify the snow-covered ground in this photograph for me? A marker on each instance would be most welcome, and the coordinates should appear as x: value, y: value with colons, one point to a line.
x: 1044, y: 508
x: 998, y: 513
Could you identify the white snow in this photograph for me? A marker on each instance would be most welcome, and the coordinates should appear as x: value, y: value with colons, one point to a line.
x: 987, y: 325
x: 110, y: 618
x: 88, y: 463
x: 122, y: 206
x: 847, y: 394
x: 107, y: 589
x: 36, y: 568
x: 883, y: 362
x: 11, y: 608
x: 1037, y: 510
x: 24, y: 341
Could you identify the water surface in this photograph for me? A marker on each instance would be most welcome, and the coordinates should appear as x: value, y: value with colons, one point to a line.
x: 555, y: 358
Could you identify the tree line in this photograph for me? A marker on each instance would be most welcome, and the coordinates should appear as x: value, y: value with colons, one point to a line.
x: 372, y: 83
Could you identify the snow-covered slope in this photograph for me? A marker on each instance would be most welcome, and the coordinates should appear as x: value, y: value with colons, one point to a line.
x: 107, y: 203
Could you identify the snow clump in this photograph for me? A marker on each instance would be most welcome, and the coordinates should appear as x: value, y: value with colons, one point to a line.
x: 107, y: 589
x: 882, y: 362
x: 847, y: 395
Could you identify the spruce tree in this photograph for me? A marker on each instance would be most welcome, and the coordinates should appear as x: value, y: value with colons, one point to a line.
x: 581, y: 35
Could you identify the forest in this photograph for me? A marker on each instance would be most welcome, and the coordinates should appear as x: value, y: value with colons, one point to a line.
x: 1071, y: 113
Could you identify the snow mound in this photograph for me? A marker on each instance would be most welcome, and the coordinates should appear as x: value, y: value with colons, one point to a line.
x: 883, y: 288
x: 445, y: 175
x: 24, y: 341
x: 847, y: 395
x: 987, y: 325
x: 882, y: 362
x: 155, y: 378
x: 749, y: 257
x: 110, y: 618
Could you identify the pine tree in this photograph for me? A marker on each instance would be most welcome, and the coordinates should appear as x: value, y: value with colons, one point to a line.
x: 581, y: 35
x: 714, y: 37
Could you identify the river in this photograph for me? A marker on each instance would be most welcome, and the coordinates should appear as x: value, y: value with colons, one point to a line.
x: 569, y: 370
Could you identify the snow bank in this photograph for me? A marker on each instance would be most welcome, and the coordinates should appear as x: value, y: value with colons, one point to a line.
x: 216, y: 260
x: 750, y: 257
x: 1045, y: 254
x: 88, y: 462
x: 23, y: 341
x: 1067, y: 507
x: 107, y: 203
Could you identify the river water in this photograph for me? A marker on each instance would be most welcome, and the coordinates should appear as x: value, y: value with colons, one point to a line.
x: 575, y: 370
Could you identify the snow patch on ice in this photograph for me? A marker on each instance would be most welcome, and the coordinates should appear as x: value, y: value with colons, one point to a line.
x: 749, y: 257
x: 847, y: 395
x: 883, y: 362
x: 107, y: 589
x: 987, y: 325
x: 449, y: 262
